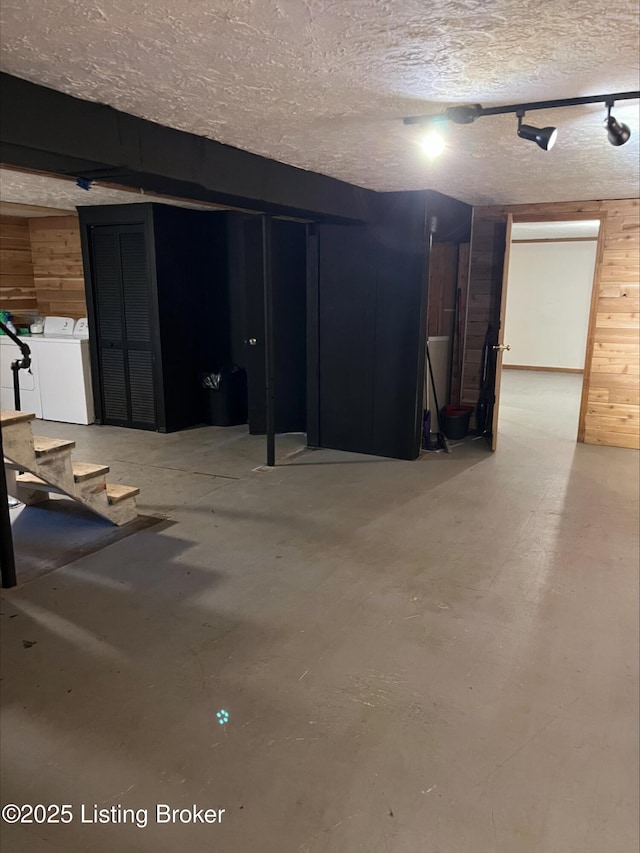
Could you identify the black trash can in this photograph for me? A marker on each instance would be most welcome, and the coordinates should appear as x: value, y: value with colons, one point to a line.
x: 454, y: 421
x: 225, y: 393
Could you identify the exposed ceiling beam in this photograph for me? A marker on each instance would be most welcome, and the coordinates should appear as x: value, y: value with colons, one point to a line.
x: 49, y: 131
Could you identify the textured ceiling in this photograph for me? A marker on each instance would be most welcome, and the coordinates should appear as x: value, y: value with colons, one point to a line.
x: 49, y: 192
x: 323, y: 84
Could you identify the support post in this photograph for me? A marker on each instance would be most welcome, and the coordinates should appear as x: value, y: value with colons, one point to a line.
x: 268, y: 340
x: 7, y: 556
x: 15, y: 368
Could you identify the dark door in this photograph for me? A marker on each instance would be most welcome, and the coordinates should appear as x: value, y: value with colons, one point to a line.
x: 288, y: 282
x: 368, y: 292
x: 122, y: 302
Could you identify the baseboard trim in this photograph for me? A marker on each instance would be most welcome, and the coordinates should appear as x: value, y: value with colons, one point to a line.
x: 544, y: 369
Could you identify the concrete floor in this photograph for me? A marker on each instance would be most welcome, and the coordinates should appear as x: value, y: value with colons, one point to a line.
x: 438, y: 656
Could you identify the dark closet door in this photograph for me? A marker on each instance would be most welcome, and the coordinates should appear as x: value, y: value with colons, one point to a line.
x: 368, y: 293
x: 122, y: 302
x: 288, y: 276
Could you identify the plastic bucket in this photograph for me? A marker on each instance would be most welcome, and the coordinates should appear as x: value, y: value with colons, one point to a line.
x: 454, y: 421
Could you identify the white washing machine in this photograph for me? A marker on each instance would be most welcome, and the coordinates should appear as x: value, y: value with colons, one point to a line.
x: 64, y: 378
x: 58, y: 385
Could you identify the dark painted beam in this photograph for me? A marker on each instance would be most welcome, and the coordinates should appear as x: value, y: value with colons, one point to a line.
x: 453, y: 218
x: 45, y: 130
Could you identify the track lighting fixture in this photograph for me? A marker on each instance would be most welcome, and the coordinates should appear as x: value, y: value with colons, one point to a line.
x: 617, y: 132
x: 545, y: 137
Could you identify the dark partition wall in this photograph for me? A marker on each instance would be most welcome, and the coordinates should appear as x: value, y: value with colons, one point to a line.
x: 346, y: 335
x: 289, y: 288
x: 348, y: 313
x: 370, y: 298
x: 367, y: 323
x: 399, y: 340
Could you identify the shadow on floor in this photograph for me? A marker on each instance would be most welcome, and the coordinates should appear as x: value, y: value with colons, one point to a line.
x: 56, y: 532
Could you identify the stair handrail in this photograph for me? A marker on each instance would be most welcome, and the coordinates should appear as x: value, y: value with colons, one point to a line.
x: 18, y: 364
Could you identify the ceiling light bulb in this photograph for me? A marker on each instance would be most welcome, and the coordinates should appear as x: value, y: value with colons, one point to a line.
x: 432, y: 144
x: 617, y: 132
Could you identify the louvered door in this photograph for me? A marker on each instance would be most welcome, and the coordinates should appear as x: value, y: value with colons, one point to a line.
x: 122, y: 299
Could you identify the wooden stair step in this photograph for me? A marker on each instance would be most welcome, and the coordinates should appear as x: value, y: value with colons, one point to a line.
x: 117, y: 493
x: 8, y: 417
x: 36, y: 484
x: 119, y: 508
x: 45, y: 446
x: 88, y: 470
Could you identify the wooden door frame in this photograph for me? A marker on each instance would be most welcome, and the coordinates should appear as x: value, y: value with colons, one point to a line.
x: 500, y: 338
x: 600, y: 215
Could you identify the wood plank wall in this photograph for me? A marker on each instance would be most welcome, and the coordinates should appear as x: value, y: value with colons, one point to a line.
x: 443, y: 269
x: 460, y: 314
x: 610, y: 412
x: 17, y: 289
x: 486, y: 258
x: 57, y: 266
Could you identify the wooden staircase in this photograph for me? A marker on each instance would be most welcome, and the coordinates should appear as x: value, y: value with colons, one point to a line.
x: 49, y: 469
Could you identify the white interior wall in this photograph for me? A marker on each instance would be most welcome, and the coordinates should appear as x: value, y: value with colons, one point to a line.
x: 548, y: 300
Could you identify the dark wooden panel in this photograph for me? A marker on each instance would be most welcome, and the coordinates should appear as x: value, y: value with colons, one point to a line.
x: 398, y: 342
x: 313, y: 340
x: 114, y: 385
x: 288, y: 259
x: 122, y: 327
x: 254, y: 358
x: 486, y: 266
x: 107, y: 283
x: 135, y: 285
x: 141, y: 383
x: 347, y: 293
x: 183, y: 309
x: 288, y: 273
x: 443, y: 270
x: 372, y: 325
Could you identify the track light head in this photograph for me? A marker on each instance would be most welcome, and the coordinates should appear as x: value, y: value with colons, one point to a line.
x: 545, y: 137
x: 617, y: 133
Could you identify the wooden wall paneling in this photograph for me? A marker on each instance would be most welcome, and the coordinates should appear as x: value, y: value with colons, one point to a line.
x: 610, y: 406
x: 502, y: 311
x: 57, y: 266
x: 17, y: 289
x: 443, y: 268
x: 460, y: 322
x: 588, y: 361
x: 483, y: 300
x: 615, y: 354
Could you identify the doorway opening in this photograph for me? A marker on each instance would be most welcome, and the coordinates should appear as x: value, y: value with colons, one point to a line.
x: 547, y: 296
